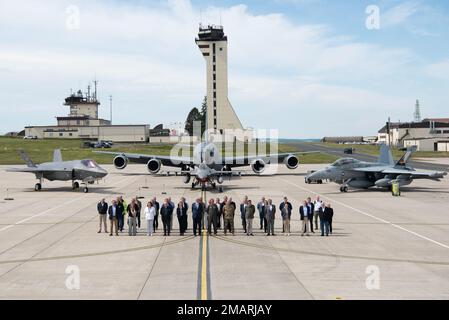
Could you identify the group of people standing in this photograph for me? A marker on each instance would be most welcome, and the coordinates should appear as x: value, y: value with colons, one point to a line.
x: 213, y: 215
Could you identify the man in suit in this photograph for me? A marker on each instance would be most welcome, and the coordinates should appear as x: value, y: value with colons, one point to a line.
x: 270, y: 214
x: 156, y: 208
x: 312, y: 209
x: 102, y: 209
x: 121, y: 213
x: 325, y: 218
x: 181, y: 213
x: 173, y: 207
x: 197, y: 215
x: 330, y: 214
x: 286, y: 212
x: 250, y: 210
x: 212, y: 212
x: 305, y: 213
x: 261, y: 209
x: 139, y: 210
x: 166, y: 215
x: 243, y: 212
x: 113, y: 212
x: 220, y: 207
x: 132, y: 210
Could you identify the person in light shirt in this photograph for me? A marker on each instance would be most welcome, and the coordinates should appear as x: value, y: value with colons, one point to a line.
x: 318, y: 206
x: 150, y: 212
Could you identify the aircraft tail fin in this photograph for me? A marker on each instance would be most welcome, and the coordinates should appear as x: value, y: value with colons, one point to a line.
x: 57, y: 156
x: 26, y: 158
x: 385, y: 156
x: 406, y: 157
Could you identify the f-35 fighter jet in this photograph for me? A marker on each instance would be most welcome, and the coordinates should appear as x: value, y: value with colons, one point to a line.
x: 87, y: 171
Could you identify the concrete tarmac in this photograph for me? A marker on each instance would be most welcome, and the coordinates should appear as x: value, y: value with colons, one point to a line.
x: 382, y: 247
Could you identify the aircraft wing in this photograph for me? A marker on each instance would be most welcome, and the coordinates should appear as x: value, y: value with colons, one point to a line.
x: 26, y: 169
x: 411, y: 173
x: 416, y: 174
x: 168, y: 161
x: 35, y: 170
x: 246, y: 160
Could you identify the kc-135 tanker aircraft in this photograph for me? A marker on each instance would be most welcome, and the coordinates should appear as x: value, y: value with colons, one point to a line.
x: 349, y: 172
x: 206, y: 166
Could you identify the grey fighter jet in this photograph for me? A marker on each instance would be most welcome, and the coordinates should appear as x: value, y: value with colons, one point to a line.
x: 87, y: 171
x: 349, y: 172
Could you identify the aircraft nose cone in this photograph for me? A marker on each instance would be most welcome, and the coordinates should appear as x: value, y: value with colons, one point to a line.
x: 102, y: 172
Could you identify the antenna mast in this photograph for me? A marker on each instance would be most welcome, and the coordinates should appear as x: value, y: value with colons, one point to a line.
x: 417, y: 113
x: 110, y: 107
x: 95, y: 89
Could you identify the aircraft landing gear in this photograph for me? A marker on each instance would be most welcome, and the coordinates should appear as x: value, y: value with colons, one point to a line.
x: 193, y: 185
x: 220, y: 189
x: 343, y: 189
x: 75, y: 185
x: 38, y: 187
x: 86, y: 190
x: 214, y: 186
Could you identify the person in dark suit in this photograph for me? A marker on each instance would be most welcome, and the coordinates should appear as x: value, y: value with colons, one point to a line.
x: 305, y: 213
x: 121, y: 213
x: 102, y: 208
x: 312, y: 209
x: 113, y: 217
x: 286, y: 212
x: 197, y: 215
x: 243, y: 212
x: 139, y: 210
x: 261, y: 209
x: 270, y: 215
x: 181, y: 213
x: 324, y: 221
x: 328, y: 216
x: 166, y: 215
x: 289, y: 210
x: 156, y: 208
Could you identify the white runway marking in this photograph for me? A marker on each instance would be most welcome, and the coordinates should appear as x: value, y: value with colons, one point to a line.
x: 50, y: 209
x: 370, y: 215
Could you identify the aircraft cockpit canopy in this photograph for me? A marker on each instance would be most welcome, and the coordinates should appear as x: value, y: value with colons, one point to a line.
x: 89, y: 163
x: 344, y: 162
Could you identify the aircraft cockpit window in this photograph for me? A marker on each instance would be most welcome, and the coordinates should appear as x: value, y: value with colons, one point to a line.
x: 89, y: 163
x: 343, y: 162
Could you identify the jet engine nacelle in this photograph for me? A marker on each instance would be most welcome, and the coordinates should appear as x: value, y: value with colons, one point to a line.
x: 360, y: 184
x: 120, y: 162
x: 291, y: 162
x: 258, y: 166
x: 154, y: 165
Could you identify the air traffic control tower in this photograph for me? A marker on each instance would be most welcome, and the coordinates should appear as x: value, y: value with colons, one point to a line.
x: 213, y: 44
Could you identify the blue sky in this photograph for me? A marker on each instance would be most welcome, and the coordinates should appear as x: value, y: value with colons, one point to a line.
x: 309, y: 68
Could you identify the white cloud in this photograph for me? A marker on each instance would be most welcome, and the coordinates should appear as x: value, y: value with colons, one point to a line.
x: 439, y: 70
x: 399, y: 14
